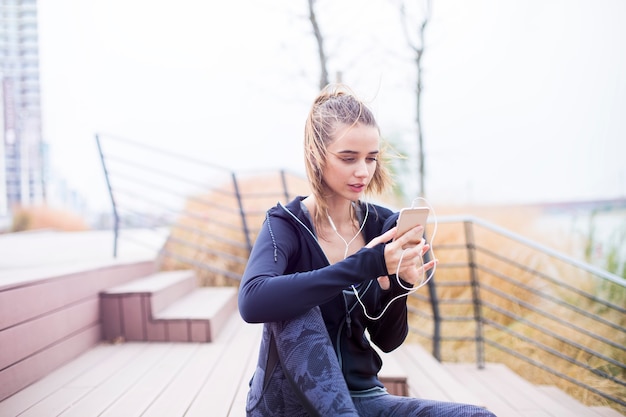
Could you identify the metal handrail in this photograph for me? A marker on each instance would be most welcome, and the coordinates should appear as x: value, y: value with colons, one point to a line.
x: 116, y: 217
x: 215, y: 228
x: 599, y: 272
x: 488, y: 309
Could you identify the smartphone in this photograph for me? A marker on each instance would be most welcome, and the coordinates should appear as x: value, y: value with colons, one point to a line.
x: 411, y: 217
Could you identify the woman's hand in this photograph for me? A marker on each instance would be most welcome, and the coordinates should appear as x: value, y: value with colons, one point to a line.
x: 404, y: 256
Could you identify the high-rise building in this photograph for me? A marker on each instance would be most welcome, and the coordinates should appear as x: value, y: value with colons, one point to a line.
x: 22, y: 181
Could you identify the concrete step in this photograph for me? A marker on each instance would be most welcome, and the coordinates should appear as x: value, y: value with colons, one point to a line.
x: 165, y: 306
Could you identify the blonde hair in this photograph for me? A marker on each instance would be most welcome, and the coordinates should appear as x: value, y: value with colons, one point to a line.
x: 335, y: 105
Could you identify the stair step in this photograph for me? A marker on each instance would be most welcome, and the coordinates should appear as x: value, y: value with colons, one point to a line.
x: 425, y: 376
x: 393, y: 375
x: 510, y: 394
x: 605, y: 411
x: 163, y: 287
x: 576, y: 407
x: 202, y: 303
x: 200, y: 315
x: 166, y: 306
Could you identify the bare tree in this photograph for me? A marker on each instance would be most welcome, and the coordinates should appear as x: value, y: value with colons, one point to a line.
x: 416, y: 44
x: 320, y: 45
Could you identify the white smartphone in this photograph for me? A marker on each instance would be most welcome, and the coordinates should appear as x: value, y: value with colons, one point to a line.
x: 411, y: 217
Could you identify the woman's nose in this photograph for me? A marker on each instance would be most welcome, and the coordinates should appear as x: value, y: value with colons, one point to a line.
x: 361, y: 170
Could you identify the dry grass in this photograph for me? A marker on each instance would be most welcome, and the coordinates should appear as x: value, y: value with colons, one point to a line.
x: 216, y: 215
x: 42, y: 217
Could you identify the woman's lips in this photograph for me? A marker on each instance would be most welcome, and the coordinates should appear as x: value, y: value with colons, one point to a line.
x: 357, y: 188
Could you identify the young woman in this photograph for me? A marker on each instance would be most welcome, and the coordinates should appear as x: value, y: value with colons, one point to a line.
x: 323, y: 268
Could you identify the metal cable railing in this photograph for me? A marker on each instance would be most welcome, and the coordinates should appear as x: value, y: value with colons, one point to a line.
x: 527, y: 305
x: 496, y: 296
x: 205, y: 208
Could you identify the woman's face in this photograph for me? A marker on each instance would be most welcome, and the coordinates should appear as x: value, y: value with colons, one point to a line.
x: 351, y: 160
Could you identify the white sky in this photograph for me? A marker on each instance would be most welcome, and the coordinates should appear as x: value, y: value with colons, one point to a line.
x: 524, y: 100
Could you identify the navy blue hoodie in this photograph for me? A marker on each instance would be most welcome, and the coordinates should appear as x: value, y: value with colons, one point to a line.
x: 288, y: 273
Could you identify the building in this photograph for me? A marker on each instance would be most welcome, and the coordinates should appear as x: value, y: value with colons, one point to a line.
x: 22, y: 167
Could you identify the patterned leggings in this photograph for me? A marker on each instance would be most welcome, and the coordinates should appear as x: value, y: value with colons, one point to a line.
x: 307, y: 380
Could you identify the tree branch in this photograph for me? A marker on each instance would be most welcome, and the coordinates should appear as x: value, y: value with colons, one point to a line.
x: 320, y: 45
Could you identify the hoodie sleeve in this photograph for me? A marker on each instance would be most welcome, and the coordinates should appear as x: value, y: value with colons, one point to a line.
x: 267, y: 293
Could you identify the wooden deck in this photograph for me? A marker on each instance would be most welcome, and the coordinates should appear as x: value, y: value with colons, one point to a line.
x: 210, y: 379
x: 148, y: 379
x: 57, y: 358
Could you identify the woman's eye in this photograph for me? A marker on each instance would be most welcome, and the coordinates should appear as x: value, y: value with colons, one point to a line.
x: 352, y: 160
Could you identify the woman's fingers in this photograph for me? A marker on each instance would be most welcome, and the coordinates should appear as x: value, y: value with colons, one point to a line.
x: 428, y: 266
x: 384, y: 282
x: 411, y: 237
x: 404, y: 255
x: 413, y: 268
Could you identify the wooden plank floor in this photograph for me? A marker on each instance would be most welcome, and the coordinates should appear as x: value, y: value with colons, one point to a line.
x: 211, y: 379
x: 148, y: 379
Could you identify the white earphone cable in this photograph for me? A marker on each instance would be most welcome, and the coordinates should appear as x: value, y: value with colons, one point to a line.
x: 424, y: 279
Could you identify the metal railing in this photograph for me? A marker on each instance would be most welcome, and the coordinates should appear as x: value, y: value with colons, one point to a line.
x: 496, y: 296
x: 199, y: 215
x: 500, y: 297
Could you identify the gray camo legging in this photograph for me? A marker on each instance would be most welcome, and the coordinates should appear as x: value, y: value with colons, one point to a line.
x: 307, y: 381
